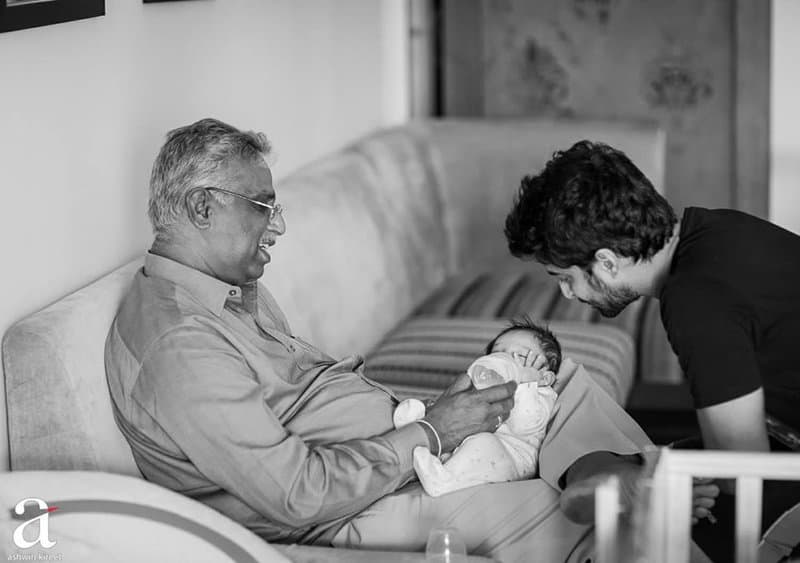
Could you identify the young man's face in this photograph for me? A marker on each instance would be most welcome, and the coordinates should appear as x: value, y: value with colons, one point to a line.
x: 609, y: 297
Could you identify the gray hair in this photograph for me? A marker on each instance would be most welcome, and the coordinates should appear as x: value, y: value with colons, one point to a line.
x: 192, y: 156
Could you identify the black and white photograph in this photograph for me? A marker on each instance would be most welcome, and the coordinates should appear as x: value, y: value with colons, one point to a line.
x: 400, y: 281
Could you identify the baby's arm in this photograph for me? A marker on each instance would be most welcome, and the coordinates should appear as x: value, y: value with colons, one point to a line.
x: 535, y: 369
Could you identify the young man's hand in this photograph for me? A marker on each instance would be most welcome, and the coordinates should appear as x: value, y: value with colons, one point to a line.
x: 704, y: 497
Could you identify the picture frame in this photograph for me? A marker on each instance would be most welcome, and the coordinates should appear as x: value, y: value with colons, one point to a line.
x: 25, y: 14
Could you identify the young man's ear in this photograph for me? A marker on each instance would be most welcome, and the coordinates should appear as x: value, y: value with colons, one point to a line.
x: 607, y: 261
x: 198, y: 208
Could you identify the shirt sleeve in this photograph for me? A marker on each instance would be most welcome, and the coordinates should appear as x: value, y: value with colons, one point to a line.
x: 713, y: 334
x: 209, y: 403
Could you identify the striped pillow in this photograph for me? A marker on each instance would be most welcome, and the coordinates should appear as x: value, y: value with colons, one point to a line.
x: 424, y: 354
x: 516, y: 288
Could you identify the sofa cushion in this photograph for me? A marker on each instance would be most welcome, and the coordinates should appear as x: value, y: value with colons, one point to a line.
x: 59, y: 409
x: 425, y: 354
x: 515, y: 288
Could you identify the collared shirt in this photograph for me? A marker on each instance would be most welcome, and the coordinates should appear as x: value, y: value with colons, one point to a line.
x: 221, y: 403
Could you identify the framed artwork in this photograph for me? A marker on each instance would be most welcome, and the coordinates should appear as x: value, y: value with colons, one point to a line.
x: 24, y: 14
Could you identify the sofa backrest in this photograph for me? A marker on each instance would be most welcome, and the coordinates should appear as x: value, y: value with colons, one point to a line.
x: 59, y: 409
x: 479, y: 164
x: 365, y: 241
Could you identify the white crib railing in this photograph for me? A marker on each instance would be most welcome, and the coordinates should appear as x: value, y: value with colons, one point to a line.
x: 662, y: 517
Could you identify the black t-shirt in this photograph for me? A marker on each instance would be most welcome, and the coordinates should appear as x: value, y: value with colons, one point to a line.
x: 731, y: 308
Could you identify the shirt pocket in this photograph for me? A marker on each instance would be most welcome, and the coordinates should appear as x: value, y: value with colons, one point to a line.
x: 306, y: 356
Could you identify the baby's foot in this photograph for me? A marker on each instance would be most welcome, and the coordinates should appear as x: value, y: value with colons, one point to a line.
x: 434, y: 476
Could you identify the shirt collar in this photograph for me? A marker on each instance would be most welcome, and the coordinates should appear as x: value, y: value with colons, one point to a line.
x: 208, y: 290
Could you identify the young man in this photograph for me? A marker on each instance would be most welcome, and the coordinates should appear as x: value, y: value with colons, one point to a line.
x: 728, y: 285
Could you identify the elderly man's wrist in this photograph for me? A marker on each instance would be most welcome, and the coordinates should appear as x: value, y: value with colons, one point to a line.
x: 434, y: 440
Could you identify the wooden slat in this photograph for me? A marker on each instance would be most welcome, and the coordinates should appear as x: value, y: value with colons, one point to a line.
x: 678, y: 509
x: 730, y: 465
x: 748, y: 518
x: 606, y: 517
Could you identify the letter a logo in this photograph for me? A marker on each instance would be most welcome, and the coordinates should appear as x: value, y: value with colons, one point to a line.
x: 43, y: 539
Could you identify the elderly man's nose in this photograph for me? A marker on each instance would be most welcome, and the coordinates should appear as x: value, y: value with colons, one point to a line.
x: 277, y: 225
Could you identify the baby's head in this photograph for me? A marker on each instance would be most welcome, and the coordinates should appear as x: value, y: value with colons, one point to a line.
x: 523, y: 336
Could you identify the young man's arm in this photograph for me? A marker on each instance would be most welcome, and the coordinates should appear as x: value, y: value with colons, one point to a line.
x: 737, y: 424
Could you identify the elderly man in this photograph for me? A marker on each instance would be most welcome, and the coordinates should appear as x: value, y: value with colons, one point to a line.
x: 221, y: 402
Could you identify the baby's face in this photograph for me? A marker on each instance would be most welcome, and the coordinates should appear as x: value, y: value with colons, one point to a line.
x: 518, y: 343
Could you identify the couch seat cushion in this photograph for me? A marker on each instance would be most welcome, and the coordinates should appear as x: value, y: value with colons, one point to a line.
x: 425, y: 354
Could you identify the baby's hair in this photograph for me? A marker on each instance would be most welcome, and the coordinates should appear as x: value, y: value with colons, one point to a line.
x: 547, y: 340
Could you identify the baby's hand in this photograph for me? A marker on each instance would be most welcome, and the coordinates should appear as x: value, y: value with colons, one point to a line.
x: 704, y: 497
x: 534, y: 369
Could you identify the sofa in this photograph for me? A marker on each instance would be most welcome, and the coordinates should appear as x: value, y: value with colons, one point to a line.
x: 394, y: 249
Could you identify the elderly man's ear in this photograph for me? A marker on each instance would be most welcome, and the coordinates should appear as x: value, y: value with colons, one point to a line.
x: 198, y: 208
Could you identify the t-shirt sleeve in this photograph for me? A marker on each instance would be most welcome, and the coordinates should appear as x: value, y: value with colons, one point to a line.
x: 713, y: 333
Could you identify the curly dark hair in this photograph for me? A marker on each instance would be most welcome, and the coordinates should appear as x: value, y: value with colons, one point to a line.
x: 588, y: 197
x: 547, y: 340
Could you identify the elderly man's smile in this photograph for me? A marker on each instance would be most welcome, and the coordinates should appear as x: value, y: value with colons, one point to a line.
x: 263, y: 245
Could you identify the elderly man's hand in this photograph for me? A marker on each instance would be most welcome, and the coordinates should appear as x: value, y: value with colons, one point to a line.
x: 463, y: 410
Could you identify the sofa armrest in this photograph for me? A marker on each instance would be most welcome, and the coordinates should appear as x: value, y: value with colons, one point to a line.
x: 103, y: 517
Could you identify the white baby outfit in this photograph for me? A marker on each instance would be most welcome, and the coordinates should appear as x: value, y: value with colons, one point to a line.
x: 508, y: 454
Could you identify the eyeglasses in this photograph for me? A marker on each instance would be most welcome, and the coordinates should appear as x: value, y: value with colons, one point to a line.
x: 273, y: 210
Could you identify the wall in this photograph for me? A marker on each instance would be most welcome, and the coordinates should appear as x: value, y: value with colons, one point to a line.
x: 84, y: 107
x: 785, y: 118
x: 677, y: 63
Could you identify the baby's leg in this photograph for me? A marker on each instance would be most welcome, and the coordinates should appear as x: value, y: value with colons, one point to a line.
x: 481, y: 458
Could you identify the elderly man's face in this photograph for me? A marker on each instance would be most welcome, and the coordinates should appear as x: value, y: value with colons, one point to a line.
x: 242, y: 231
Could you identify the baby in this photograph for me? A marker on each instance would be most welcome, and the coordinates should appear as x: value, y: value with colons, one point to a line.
x: 510, y: 453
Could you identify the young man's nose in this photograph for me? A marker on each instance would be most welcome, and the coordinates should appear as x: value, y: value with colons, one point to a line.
x: 566, y: 290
